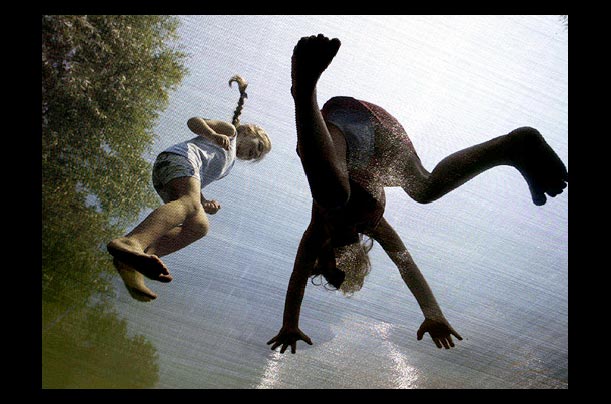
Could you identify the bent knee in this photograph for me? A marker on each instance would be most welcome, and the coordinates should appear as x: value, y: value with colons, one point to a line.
x: 423, y: 198
x: 422, y: 194
x: 198, y: 224
x: 527, y: 129
x: 526, y: 132
x: 192, y: 204
x: 201, y: 229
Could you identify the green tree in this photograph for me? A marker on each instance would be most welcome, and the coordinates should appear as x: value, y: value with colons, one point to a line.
x: 105, y: 80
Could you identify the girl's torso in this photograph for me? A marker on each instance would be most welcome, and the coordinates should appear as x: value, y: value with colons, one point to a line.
x: 375, y: 141
x: 361, y: 215
x: 212, y: 161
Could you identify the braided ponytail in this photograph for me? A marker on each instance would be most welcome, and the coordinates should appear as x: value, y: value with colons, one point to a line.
x: 250, y: 130
x: 242, y: 84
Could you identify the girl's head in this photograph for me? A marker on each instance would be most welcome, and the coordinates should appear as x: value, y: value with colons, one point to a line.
x: 344, y: 268
x: 252, y: 141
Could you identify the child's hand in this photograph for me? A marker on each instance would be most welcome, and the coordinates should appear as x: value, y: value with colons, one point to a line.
x: 211, y: 206
x: 440, y: 331
x: 288, y: 337
x: 222, y: 140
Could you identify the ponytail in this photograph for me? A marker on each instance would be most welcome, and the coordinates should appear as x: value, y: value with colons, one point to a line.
x: 242, y: 84
x: 252, y: 130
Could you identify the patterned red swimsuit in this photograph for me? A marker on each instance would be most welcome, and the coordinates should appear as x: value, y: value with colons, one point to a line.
x: 373, y: 137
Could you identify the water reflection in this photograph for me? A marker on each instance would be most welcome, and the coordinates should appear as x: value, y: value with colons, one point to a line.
x: 406, y: 375
x: 89, y: 347
x: 340, y: 362
x: 271, y: 374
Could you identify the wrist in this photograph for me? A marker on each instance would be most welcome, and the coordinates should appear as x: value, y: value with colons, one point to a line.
x: 436, y: 316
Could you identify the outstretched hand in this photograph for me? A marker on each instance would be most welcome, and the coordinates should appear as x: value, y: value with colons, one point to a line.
x: 440, y: 331
x: 288, y: 337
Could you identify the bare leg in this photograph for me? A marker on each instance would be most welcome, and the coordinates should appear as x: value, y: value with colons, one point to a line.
x: 320, y: 151
x: 524, y: 148
x: 176, y: 239
x: 160, y: 233
x: 194, y: 228
x: 134, y: 282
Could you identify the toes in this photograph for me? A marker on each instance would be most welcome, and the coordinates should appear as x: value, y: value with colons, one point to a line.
x: 556, y: 189
x: 142, y: 296
x: 334, y: 48
x: 335, y: 44
x: 314, y: 42
x: 165, y: 278
x: 539, y: 199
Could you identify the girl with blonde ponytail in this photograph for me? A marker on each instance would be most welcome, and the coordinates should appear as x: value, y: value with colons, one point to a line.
x: 179, y: 175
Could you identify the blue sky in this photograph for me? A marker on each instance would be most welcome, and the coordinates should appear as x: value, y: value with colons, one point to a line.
x: 497, y: 264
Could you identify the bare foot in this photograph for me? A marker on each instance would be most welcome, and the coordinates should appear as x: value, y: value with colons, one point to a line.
x: 134, y: 282
x: 132, y: 255
x: 540, y: 166
x: 311, y: 56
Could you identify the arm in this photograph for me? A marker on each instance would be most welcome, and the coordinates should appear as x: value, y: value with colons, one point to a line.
x: 435, y: 322
x: 304, y: 261
x: 216, y: 131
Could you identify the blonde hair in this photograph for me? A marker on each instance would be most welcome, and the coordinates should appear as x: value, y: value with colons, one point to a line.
x: 353, y: 260
x: 350, y: 267
x: 248, y: 129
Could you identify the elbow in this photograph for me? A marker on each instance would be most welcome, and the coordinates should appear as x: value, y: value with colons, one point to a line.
x: 195, y: 125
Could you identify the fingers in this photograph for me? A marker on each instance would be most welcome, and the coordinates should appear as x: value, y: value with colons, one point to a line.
x: 276, y: 343
x: 441, y: 340
x: 223, y: 141
x: 286, y: 342
x: 445, y: 342
x: 454, y: 333
x: 211, y: 207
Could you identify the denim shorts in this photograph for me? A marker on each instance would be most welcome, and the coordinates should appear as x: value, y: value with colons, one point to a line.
x: 169, y: 166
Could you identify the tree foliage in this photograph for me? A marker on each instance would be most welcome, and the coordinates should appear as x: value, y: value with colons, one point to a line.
x: 105, y: 80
